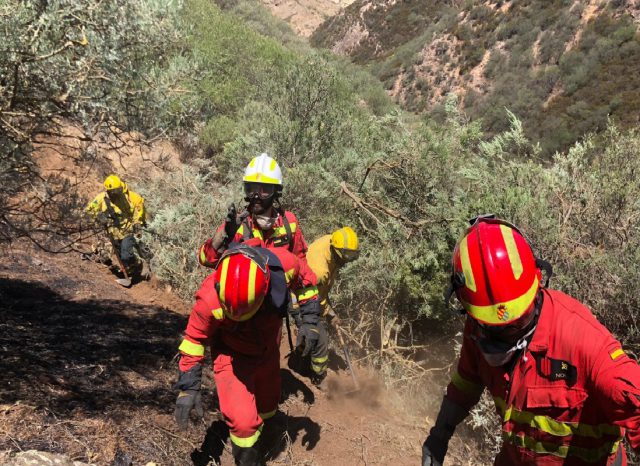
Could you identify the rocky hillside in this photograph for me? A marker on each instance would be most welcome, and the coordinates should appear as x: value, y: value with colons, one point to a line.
x: 562, y: 66
x: 304, y: 16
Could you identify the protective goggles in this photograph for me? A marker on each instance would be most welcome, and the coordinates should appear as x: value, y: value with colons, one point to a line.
x: 348, y: 254
x: 259, y: 190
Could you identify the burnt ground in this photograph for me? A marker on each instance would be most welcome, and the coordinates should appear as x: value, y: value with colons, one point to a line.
x: 88, y: 366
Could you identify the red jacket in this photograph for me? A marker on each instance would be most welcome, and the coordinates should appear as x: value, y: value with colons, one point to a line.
x: 258, y: 337
x: 273, y: 238
x: 569, y: 397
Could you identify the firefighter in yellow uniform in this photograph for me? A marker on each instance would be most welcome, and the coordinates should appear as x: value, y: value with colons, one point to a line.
x: 122, y: 213
x: 325, y: 257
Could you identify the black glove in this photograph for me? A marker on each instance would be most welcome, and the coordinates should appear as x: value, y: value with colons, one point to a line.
x: 137, y: 228
x: 231, y: 223
x: 309, y: 313
x: 428, y: 458
x: 435, y: 446
x: 189, y: 397
x: 186, y: 401
x: 307, y: 338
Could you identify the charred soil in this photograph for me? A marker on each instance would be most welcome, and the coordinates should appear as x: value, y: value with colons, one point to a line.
x: 88, y: 367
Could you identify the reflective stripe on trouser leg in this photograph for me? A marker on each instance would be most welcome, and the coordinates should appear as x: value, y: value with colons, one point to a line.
x: 320, y: 354
x: 235, y: 384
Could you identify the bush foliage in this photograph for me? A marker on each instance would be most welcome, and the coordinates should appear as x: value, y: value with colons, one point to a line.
x: 227, y: 92
x: 408, y: 187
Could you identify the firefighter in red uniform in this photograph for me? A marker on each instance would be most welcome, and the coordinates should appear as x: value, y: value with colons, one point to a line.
x: 277, y: 228
x: 238, y: 313
x: 564, y: 389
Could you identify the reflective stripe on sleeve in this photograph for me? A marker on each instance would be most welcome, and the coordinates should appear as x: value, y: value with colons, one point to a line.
x: 246, y: 442
x: 306, y: 293
x: 466, y: 386
x: 190, y: 348
x: 289, y: 275
x: 268, y: 415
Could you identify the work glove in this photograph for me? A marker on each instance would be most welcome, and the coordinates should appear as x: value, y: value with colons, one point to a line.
x: 307, y: 338
x: 428, y: 458
x: 103, y: 219
x: 435, y: 446
x: 231, y: 222
x: 187, y: 400
x: 189, y: 396
x: 218, y: 240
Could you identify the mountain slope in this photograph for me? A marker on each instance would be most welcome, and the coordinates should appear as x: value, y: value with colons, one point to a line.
x: 562, y: 66
x: 304, y: 16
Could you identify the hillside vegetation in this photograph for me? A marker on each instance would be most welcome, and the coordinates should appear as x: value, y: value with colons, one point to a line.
x: 232, y: 83
x: 563, y: 67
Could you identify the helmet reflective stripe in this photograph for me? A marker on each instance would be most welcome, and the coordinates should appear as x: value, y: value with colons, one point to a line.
x: 345, y: 238
x: 253, y: 269
x: 242, y: 282
x: 223, y: 280
x: 467, y: 270
x: 263, y: 169
x: 512, y: 251
x: 501, y: 313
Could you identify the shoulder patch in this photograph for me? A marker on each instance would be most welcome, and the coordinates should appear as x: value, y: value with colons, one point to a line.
x: 616, y: 354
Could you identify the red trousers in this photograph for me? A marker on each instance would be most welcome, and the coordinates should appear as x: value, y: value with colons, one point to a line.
x: 249, y: 391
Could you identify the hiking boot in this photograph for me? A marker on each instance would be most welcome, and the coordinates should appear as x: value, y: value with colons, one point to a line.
x: 320, y: 381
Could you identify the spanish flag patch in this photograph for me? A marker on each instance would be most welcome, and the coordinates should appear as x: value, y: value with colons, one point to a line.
x: 616, y: 354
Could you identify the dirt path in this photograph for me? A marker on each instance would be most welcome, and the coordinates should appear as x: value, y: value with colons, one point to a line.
x: 87, y: 371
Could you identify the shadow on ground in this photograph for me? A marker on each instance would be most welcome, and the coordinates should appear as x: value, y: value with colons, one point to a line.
x: 277, y: 435
x: 90, y: 355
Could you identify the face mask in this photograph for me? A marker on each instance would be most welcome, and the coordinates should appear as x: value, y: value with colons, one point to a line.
x: 498, y: 353
x: 265, y: 222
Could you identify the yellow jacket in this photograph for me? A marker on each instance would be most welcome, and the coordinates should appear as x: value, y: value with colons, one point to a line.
x: 323, y: 263
x: 125, y: 212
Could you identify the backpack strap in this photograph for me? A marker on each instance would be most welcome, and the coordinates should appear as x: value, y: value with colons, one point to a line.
x: 246, y: 230
x: 288, y: 239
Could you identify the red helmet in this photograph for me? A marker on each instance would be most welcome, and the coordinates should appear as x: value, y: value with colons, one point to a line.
x: 242, y: 282
x: 495, y: 274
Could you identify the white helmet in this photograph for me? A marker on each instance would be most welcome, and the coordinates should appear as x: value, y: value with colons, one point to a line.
x: 263, y: 169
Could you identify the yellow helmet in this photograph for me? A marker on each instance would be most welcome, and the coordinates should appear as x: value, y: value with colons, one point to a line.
x: 345, y: 243
x: 263, y: 169
x: 112, y: 182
